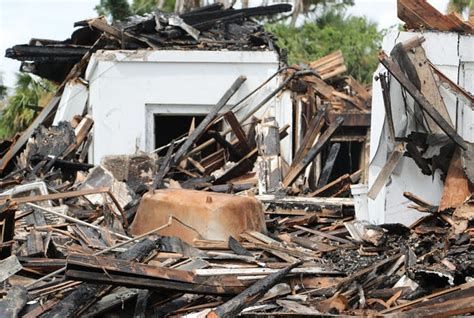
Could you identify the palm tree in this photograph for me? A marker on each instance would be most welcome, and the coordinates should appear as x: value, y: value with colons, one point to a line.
x: 21, y: 107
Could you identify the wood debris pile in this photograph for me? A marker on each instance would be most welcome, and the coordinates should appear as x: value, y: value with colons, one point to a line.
x: 83, y: 263
x: 67, y: 245
x: 420, y: 15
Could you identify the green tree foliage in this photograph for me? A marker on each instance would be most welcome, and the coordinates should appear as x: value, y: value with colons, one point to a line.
x: 115, y: 9
x: 120, y: 9
x: 145, y: 6
x: 19, y: 113
x: 357, y: 38
x: 460, y: 6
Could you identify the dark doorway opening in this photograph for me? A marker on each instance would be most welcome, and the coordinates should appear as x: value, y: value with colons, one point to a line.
x: 173, y: 127
x: 348, y: 159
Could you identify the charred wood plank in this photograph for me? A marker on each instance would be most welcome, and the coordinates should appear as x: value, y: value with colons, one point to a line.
x: 235, y: 154
x: 133, y: 274
x: 300, y: 166
x: 164, y: 168
x: 237, y: 248
x: 249, y: 296
x: 388, y: 106
x: 207, y: 120
x: 238, y: 131
x: 328, y: 165
x: 201, y: 17
x: 141, y: 304
x: 86, y: 293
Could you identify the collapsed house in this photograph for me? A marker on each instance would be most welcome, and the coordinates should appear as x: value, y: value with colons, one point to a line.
x: 183, y: 169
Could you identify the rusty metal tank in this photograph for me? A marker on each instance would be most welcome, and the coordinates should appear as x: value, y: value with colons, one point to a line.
x: 198, y: 214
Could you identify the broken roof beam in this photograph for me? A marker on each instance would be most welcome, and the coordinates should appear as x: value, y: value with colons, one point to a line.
x: 396, y: 71
x: 47, y: 53
x: 193, y: 18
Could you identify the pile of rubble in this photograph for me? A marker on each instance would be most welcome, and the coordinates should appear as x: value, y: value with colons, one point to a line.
x: 237, y: 231
x: 86, y: 262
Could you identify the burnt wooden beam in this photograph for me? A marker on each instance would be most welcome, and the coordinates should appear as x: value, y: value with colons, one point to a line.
x: 164, y: 168
x: 235, y: 154
x: 249, y: 296
x: 141, y: 303
x: 238, y: 131
x: 328, y: 165
x: 323, y: 140
x: 246, y: 163
x: 82, y: 297
x: 207, y: 120
x: 396, y: 71
x: 314, y: 128
x: 388, y: 106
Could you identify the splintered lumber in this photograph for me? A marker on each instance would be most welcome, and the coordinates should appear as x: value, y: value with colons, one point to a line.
x: 330, y: 65
x: 207, y: 120
x: 262, y: 271
x: 249, y: 296
x: 358, y: 88
x: 420, y: 14
x: 322, y: 141
x: 333, y: 188
x: 56, y: 196
x: 437, y: 297
x: 456, y: 185
x: 257, y: 107
x: 396, y: 71
x: 314, y: 128
x: 8, y: 267
x: 386, y: 171
x: 325, y: 235
x: 86, y: 293
x: 74, y: 220
x: 237, y: 248
x: 246, y: 163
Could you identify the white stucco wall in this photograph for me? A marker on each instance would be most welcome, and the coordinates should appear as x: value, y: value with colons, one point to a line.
x: 453, y: 54
x: 124, y: 84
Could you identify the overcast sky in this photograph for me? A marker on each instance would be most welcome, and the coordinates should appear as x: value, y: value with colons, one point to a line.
x: 20, y: 20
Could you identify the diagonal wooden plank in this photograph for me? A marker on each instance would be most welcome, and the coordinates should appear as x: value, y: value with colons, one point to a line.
x: 386, y: 171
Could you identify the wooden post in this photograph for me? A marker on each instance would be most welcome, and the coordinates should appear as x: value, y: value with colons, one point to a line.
x: 268, y: 161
